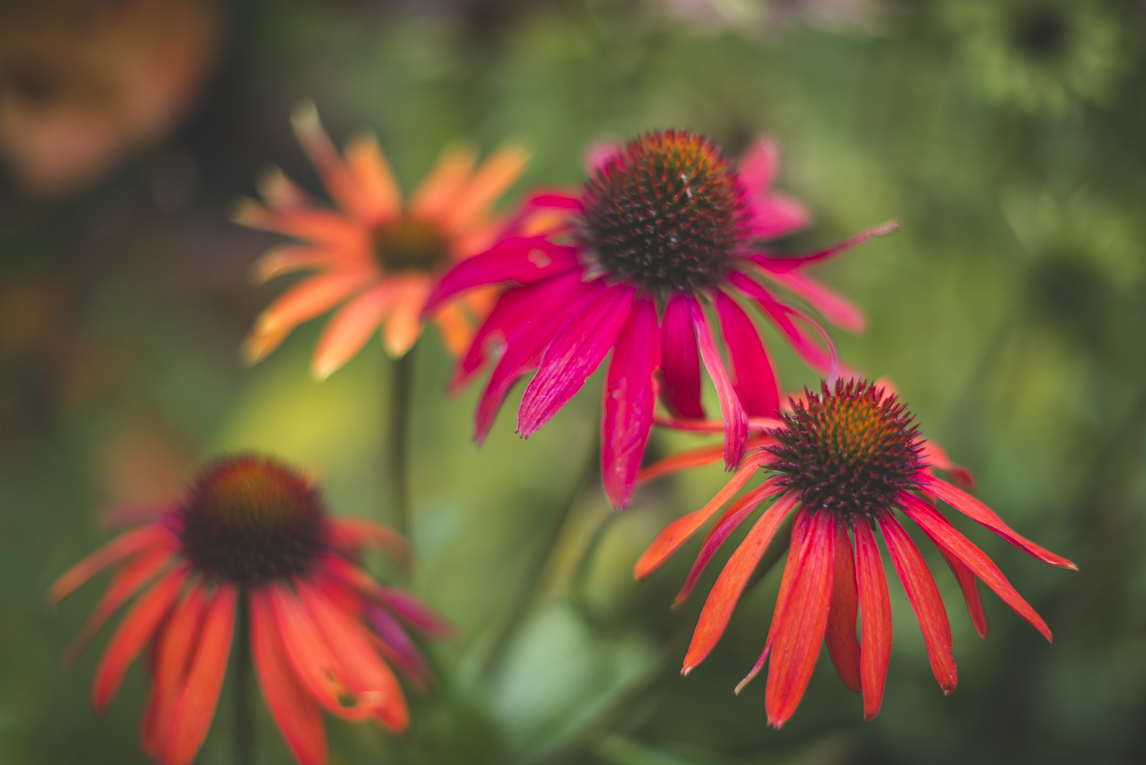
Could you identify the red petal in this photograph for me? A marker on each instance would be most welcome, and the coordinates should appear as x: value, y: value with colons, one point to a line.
x: 574, y: 354
x: 200, y: 694
x: 940, y: 530
x: 755, y: 382
x: 731, y: 410
x: 925, y: 600
x: 680, y: 361
x: 970, y: 587
x: 875, y: 608
x: 172, y: 654
x: 675, y: 534
x: 124, y: 546
x: 355, y: 533
x: 977, y: 511
x: 843, y: 646
x: 732, y: 580
x: 297, y: 716
x: 780, y: 265
x: 133, y: 634
x: 802, y: 626
x: 521, y: 260
x: 629, y: 402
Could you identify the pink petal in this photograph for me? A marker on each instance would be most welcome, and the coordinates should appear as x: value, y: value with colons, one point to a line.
x: 821, y: 361
x: 755, y: 382
x: 599, y: 153
x: 731, y: 410
x: 629, y: 401
x: 776, y: 215
x: 402, y: 648
x: 574, y: 354
x: 774, y: 264
x: 760, y: 165
x: 834, y: 307
x: 680, y: 361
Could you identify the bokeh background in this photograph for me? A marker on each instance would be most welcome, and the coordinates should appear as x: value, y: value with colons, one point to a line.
x: 1005, y: 135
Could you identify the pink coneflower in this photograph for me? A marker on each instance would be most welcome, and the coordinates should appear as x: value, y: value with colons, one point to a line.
x: 665, y: 231
x: 844, y: 461
x: 252, y: 539
x: 376, y: 254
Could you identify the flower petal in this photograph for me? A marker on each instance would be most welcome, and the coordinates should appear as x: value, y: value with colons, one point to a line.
x: 288, y: 258
x: 701, y: 455
x: 172, y: 650
x: 781, y: 315
x: 378, y: 194
x: 969, y: 584
x: 775, y: 264
x: 629, y: 402
x: 775, y: 215
x: 980, y: 513
x: 804, y: 622
x: 759, y: 166
x: 754, y: 380
x: 843, y: 646
x: 124, y: 546
x: 322, y: 227
x: 200, y: 693
x: 401, y: 648
x: 353, y: 534
x: 833, y: 306
x: 489, y: 182
x: 133, y: 634
x: 454, y: 328
x: 925, y: 600
x: 680, y: 361
x: 940, y: 530
x: 732, y: 580
x: 433, y: 198
x: 341, y: 185
x: 875, y: 611
x: 298, y: 718
x: 351, y: 327
x: 574, y: 353
x: 405, y: 324
x: 731, y: 410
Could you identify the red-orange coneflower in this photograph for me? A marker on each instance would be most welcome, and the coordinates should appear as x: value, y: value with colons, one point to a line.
x: 380, y: 256
x: 252, y: 539
x: 844, y: 461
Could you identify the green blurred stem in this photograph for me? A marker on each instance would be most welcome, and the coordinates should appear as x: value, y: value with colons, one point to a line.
x: 244, y: 712
x: 531, y: 581
x: 398, y: 447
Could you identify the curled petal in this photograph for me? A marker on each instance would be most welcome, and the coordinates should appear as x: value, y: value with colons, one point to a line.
x: 780, y: 265
x: 755, y: 382
x: 833, y: 306
x: 731, y: 410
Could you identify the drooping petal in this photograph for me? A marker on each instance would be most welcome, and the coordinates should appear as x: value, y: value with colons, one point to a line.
x: 521, y: 260
x: 934, y: 455
x: 925, y: 600
x: 833, y: 306
x: 805, y: 620
x: 124, y: 546
x: 980, y: 513
x: 355, y: 533
x: 172, y: 649
x: 781, y: 315
x: 680, y: 360
x: 969, y: 584
x: 875, y: 612
x: 843, y: 646
x: 628, y: 402
x: 414, y: 612
x: 134, y: 632
x: 341, y: 185
x: 298, y: 718
x: 378, y: 194
x: 731, y: 410
x: 754, y: 380
x: 940, y: 530
x: 127, y: 582
x: 675, y: 534
x: 200, y: 693
x: 574, y: 353
x: 723, y: 527
x: 783, y: 264
x: 405, y: 324
x: 731, y: 582
x: 491, y: 180
x: 402, y: 649
x: 350, y: 328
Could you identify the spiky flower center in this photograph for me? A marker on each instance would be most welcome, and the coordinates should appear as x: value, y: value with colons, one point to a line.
x: 410, y: 244
x: 666, y: 213
x: 251, y: 519
x: 850, y: 450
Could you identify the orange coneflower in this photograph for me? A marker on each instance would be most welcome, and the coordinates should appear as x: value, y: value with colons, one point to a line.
x: 252, y: 539
x: 843, y: 462
x: 379, y: 255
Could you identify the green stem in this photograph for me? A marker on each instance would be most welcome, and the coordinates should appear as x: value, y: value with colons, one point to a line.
x: 398, y: 447
x: 244, y: 713
x: 531, y: 581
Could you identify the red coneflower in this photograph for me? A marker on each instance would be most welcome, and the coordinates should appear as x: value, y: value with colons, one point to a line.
x: 844, y: 461
x: 375, y: 253
x: 252, y: 539
x: 664, y: 227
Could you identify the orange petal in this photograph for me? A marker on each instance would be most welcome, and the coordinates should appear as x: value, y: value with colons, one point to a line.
x: 172, y: 654
x: 434, y: 198
x: 298, y: 718
x: 343, y: 186
x: 288, y: 258
x: 199, y: 696
x: 124, y: 546
x: 133, y: 634
x: 405, y: 323
x: 380, y: 198
x: 319, y: 226
x: 280, y: 192
x: 350, y: 328
x: 491, y: 180
x: 454, y: 328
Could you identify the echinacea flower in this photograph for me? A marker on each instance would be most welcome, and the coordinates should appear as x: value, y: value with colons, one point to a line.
x: 251, y: 539
x: 844, y: 462
x: 665, y: 227
x: 379, y: 256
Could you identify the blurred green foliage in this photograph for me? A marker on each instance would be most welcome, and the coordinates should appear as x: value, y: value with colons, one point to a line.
x: 1006, y: 137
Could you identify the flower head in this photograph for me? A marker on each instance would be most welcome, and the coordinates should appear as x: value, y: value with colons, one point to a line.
x: 665, y: 231
x: 379, y: 256
x: 843, y: 461
x: 253, y: 535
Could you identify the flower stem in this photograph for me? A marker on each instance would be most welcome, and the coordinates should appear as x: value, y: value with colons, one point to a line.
x: 531, y: 581
x: 398, y: 448
x: 244, y: 713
